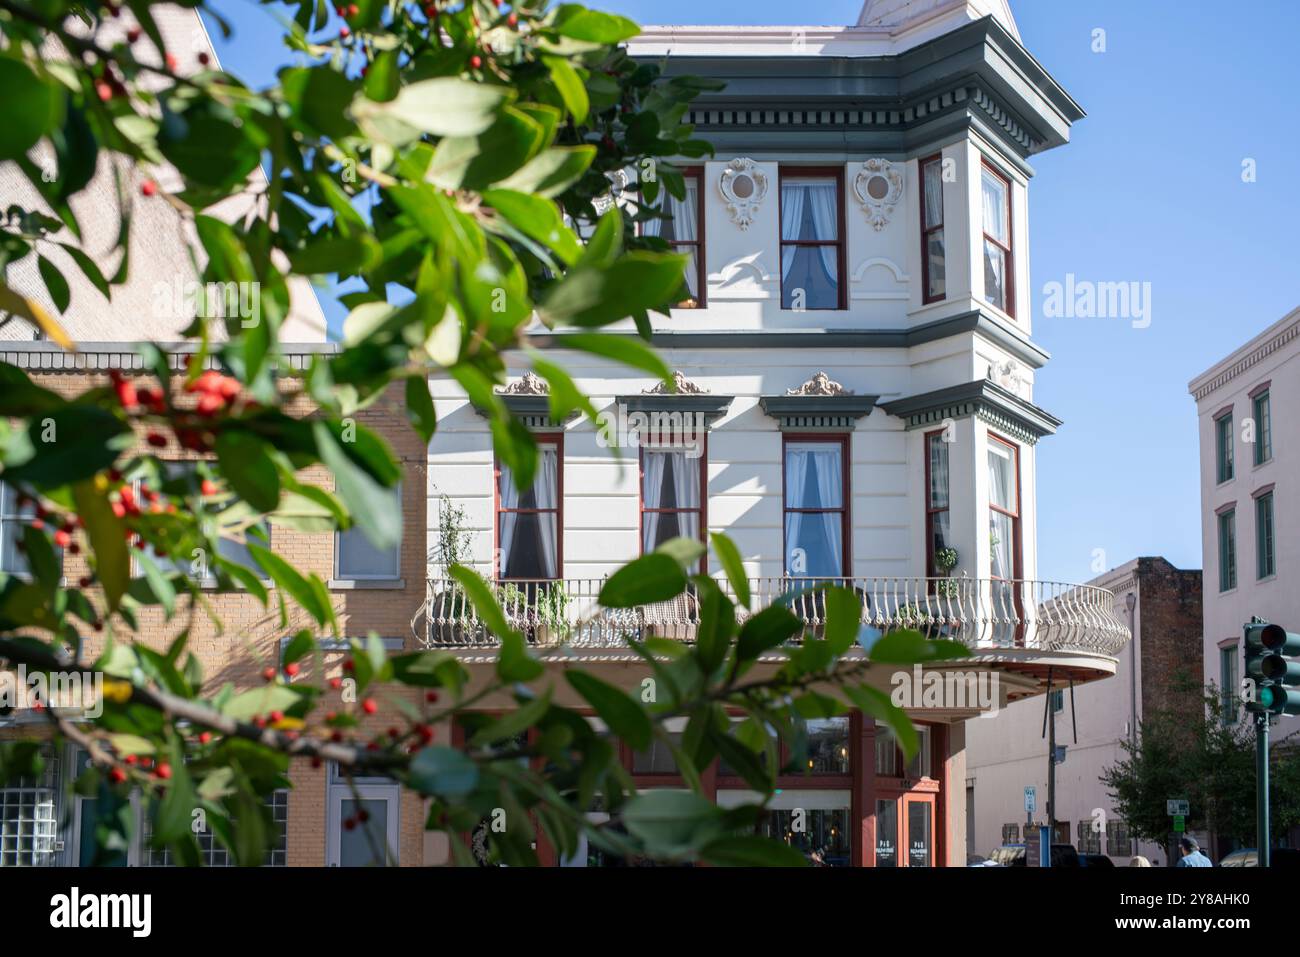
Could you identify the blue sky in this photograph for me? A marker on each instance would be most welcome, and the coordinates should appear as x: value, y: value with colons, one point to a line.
x: 1150, y: 189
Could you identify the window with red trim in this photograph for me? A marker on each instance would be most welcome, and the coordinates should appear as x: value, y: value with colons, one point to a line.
x: 999, y: 273
x: 682, y: 227
x: 528, y: 521
x: 816, y: 507
x: 933, y: 264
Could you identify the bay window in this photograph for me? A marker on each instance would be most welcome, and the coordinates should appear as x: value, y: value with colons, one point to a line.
x: 812, y: 239
x: 683, y: 230
x: 1004, y: 509
x: 816, y: 513
x: 937, y: 523
x: 528, y: 521
x: 999, y: 274
x: 933, y: 266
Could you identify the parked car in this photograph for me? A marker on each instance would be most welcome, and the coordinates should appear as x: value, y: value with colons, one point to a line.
x: 1013, y: 855
x: 1284, y: 857
x: 1095, y: 860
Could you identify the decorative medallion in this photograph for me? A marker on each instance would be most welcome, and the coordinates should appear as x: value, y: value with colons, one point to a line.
x: 820, y: 384
x: 744, y: 186
x: 684, y: 386
x: 529, y: 384
x: 1008, y: 375
x: 879, y: 186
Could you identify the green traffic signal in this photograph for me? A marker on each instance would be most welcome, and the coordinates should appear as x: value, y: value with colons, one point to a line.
x: 1269, y: 651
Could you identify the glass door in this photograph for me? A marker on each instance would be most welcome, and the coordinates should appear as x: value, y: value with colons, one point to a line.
x: 918, y: 817
x: 363, y: 826
x: 887, y: 833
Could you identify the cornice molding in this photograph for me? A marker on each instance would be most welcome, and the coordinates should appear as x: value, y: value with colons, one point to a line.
x: 1282, y: 334
x: 983, y: 399
x: 817, y: 413
x: 703, y: 407
x: 41, y: 355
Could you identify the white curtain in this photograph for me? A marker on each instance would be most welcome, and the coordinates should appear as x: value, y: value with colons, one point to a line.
x: 801, y: 527
x: 652, y: 496
x: 686, y: 483
x: 681, y: 227
x: 821, y: 198
x: 1000, y: 526
x: 509, y: 498
x: 544, y: 487
x: 792, y: 200
x: 995, y: 207
x: 938, y: 472
x: 933, y: 193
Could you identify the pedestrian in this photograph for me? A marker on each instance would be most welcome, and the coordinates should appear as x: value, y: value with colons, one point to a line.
x: 1192, y: 856
x: 1139, y: 861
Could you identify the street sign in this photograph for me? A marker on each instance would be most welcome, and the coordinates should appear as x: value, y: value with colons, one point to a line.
x: 1031, y: 800
x: 1177, y: 807
x: 1180, y: 823
x: 1060, y: 755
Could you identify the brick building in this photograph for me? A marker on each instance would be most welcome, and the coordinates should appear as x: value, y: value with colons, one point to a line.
x: 1007, y: 753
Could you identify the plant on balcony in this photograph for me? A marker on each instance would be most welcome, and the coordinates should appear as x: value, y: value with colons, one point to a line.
x: 478, y: 142
x: 449, y: 609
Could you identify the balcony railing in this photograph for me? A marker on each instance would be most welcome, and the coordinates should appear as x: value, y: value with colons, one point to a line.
x: 980, y: 613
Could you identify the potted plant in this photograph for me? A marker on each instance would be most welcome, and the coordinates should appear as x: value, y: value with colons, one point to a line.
x: 449, y: 613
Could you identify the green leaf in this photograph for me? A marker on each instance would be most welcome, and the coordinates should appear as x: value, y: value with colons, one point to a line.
x: 481, y: 597
x: 477, y: 162
x: 717, y: 625
x: 246, y: 464
x: 419, y: 408
x: 373, y: 506
x: 570, y: 87
x: 20, y: 396
x: 298, y: 646
x: 443, y: 106
x: 588, y: 296
x: 54, y: 283
x: 767, y: 629
x: 625, y: 717
x: 843, y: 618
x: 158, y: 583
x: 650, y: 578
x: 345, y: 255
x: 672, y: 822
x: 71, y: 443
x: 750, y: 850
x: 260, y: 701
x: 624, y: 349
x: 537, y: 218
x: 551, y: 173
x: 906, y: 646
x: 33, y: 107
x: 288, y: 579
x: 444, y: 772
x: 514, y: 663
x: 729, y: 559
x: 580, y: 23
x: 874, y: 702
x: 742, y: 760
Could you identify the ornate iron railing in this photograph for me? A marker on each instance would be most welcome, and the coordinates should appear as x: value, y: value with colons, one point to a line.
x: 981, y: 613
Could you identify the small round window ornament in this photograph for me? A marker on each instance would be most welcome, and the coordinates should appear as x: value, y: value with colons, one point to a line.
x: 879, y: 187
x: 743, y: 185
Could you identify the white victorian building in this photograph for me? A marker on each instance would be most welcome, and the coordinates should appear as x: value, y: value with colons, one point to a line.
x: 854, y: 397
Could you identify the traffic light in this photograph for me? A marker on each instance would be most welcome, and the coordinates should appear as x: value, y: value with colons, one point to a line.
x: 1270, y: 651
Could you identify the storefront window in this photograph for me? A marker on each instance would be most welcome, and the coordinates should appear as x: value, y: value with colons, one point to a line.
x: 828, y: 745
x: 821, y: 834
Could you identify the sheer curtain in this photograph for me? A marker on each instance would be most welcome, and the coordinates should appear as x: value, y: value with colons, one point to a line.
x: 544, y: 487
x: 817, y: 534
x: 792, y: 200
x: 821, y: 198
x: 933, y: 194
x: 679, y: 228
x: 1000, y: 527
x: 651, y: 497
x: 686, y: 483
x: 509, y: 498
x: 995, y: 207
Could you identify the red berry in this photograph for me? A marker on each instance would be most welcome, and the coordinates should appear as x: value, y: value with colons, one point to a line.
x: 316, y: 761
x: 62, y: 539
x: 292, y: 669
x: 268, y: 673
x: 130, y: 759
x: 119, y: 509
x: 394, y: 733
x: 83, y: 582
x: 431, y: 696
x: 475, y: 61
x: 353, y: 9
x: 210, y: 405
x: 348, y: 665
x: 512, y: 20
x: 126, y: 392
x: 104, y: 90
x: 208, y: 487
x: 260, y: 721
x: 117, y: 775
x: 363, y: 815
x: 164, y: 771
x: 349, y: 825
x: 277, y: 717
x: 425, y: 732
x: 148, y: 187
x: 336, y: 683
x: 170, y: 60
x: 98, y: 625
x: 205, y: 737
x: 203, y: 59
x: 369, y: 706
x: 341, y: 11
x: 156, y: 439
x: 336, y: 737
x: 344, y: 32
x: 228, y: 387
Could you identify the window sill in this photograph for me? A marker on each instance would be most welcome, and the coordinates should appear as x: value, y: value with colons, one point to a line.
x: 210, y: 584
x: 366, y: 584
x: 1272, y: 577
x: 1224, y: 481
